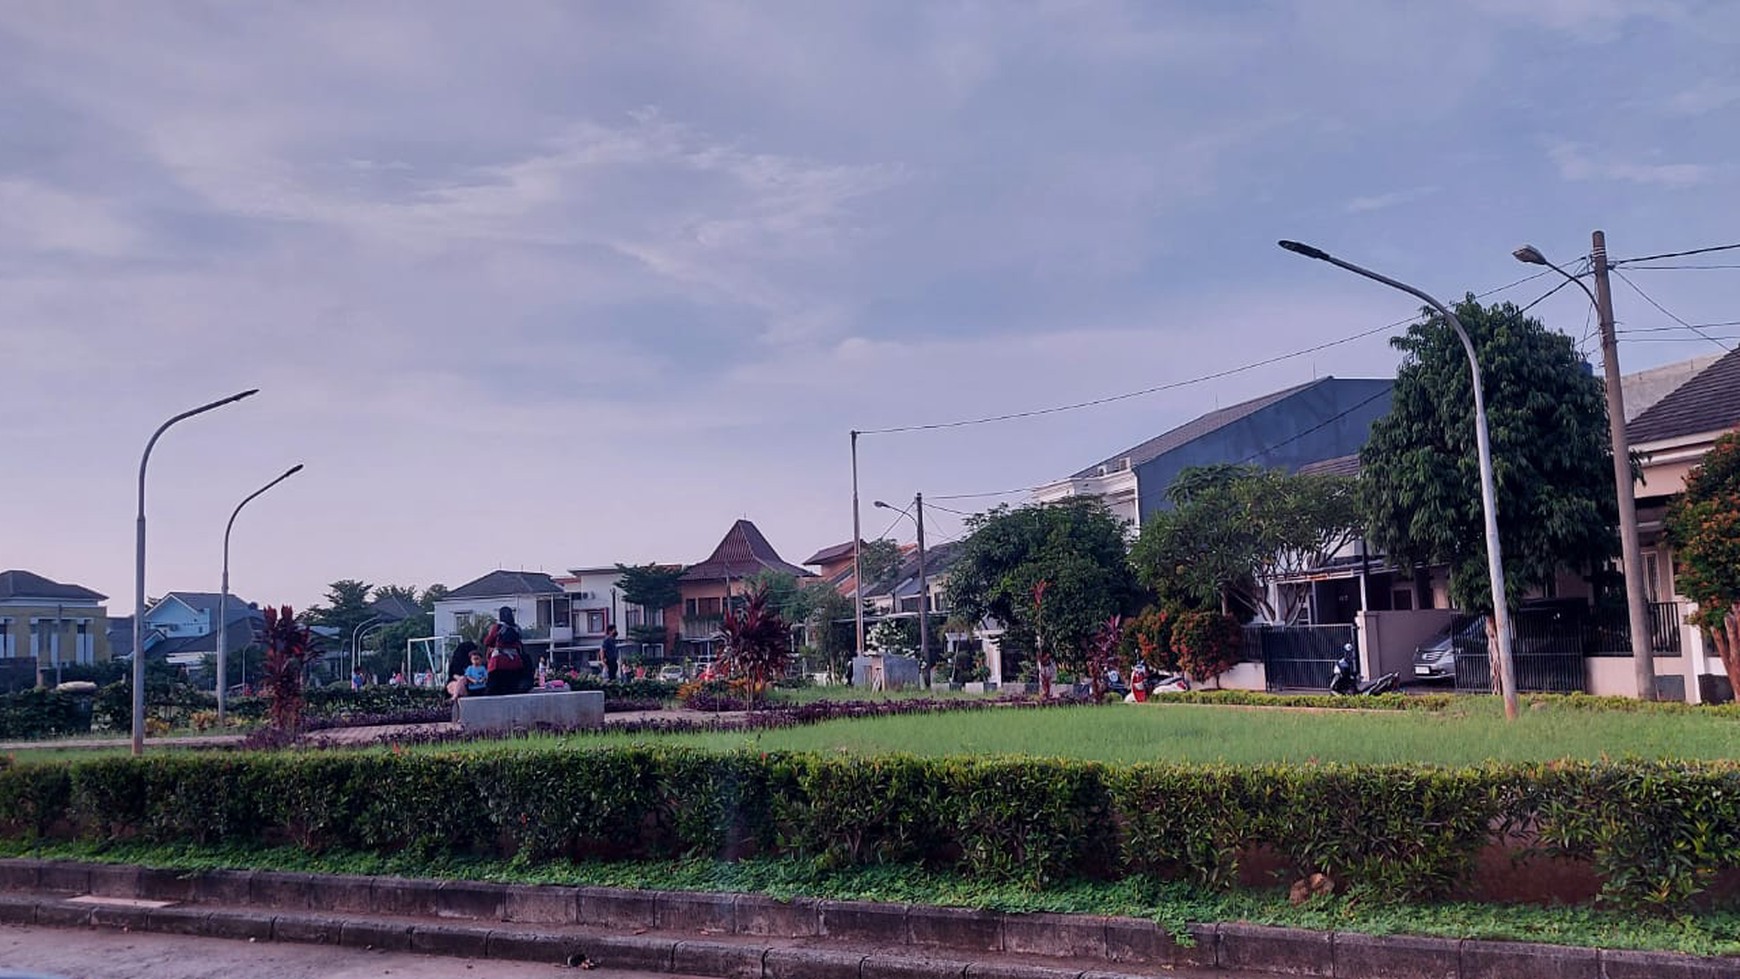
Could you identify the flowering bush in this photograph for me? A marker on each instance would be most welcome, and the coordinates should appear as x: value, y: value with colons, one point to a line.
x: 1207, y: 644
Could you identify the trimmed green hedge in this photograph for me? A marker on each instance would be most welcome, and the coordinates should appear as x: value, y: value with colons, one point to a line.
x: 1658, y: 833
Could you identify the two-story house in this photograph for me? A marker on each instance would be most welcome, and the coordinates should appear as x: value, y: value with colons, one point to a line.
x: 710, y: 584
x: 182, y: 626
x: 542, y: 609
x: 45, y: 624
x: 594, y: 605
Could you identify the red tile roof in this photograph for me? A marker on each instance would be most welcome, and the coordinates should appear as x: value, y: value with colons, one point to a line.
x: 742, y: 553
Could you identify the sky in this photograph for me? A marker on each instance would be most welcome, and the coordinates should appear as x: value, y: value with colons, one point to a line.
x: 556, y: 285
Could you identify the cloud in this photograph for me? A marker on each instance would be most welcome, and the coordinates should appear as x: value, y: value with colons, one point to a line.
x: 1709, y: 95
x: 1576, y: 163
x: 35, y: 217
x: 1395, y: 198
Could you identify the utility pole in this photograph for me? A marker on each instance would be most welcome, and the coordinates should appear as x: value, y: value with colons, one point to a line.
x: 857, y: 553
x: 923, y: 595
x: 1636, y: 602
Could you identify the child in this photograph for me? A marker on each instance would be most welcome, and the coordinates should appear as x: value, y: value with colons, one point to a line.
x: 476, y: 677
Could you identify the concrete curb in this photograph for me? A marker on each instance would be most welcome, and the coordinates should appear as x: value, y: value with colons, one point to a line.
x: 727, y: 935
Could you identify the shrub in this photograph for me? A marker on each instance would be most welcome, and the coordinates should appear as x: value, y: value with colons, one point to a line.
x: 1207, y: 644
x: 43, y: 713
x: 1658, y: 833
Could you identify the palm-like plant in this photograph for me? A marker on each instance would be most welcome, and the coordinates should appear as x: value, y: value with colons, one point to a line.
x: 757, y: 641
x: 289, y: 646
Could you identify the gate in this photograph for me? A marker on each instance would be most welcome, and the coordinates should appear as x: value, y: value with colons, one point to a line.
x: 1546, y: 649
x: 1301, y: 657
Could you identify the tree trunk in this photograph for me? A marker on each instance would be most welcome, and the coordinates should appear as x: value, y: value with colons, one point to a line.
x: 1492, y: 654
x: 1726, y: 638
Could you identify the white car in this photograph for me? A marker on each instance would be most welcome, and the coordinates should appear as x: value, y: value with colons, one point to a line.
x: 671, y: 673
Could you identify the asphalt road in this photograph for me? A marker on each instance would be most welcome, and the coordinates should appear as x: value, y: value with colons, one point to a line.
x: 88, y: 954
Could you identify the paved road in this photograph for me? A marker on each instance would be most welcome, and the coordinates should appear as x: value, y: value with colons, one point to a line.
x: 88, y: 954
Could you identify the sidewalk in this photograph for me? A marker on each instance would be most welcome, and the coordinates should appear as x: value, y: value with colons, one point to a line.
x: 743, y: 936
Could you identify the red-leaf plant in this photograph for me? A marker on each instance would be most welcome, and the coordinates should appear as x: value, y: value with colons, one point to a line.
x: 289, y: 646
x: 1102, y: 653
x: 757, y: 641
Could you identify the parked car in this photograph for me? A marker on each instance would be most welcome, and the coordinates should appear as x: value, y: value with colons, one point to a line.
x: 1435, y: 661
x: 671, y: 673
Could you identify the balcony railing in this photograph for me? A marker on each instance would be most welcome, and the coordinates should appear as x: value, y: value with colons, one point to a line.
x: 702, y: 626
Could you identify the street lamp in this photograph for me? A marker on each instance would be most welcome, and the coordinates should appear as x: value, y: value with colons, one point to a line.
x: 139, y: 569
x: 1483, y: 442
x: 1630, y: 547
x: 923, y: 584
x: 356, y: 640
x: 224, y: 597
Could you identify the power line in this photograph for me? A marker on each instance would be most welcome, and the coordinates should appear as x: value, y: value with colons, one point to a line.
x: 1171, y: 385
x: 1676, y: 329
x: 1684, y: 267
x: 1694, y: 251
x: 1664, y: 309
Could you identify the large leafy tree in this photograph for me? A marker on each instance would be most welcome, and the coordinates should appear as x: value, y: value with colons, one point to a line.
x: 1704, y: 528
x: 1235, y: 528
x: 654, y: 587
x: 880, y: 559
x: 346, y: 607
x: 1076, y: 545
x: 1550, y: 452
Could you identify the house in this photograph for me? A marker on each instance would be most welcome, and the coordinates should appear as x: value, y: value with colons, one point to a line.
x: 182, y: 627
x: 595, y: 604
x: 46, y: 624
x: 1323, y: 419
x: 541, y: 609
x: 1671, y: 436
x: 706, y: 586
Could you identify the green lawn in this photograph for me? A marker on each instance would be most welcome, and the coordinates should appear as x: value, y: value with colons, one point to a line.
x: 1468, y: 733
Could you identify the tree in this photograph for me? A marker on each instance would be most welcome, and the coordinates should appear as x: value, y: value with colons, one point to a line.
x: 475, y: 627
x: 1420, y: 482
x: 1076, y: 545
x: 757, y: 641
x: 346, y: 608
x: 653, y: 587
x: 1234, y: 529
x: 879, y: 560
x: 1703, y: 525
x: 1207, y: 644
x: 831, y: 628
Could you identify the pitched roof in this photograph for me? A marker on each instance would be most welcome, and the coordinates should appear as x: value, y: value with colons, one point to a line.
x: 904, y: 582
x: 395, y: 609
x: 1192, y: 430
x: 1642, y: 389
x: 1709, y: 402
x: 743, y: 552
x: 1347, y: 465
x: 500, y: 584
x: 25, y: 584
x: 237, y: 609
x: 828, y: 555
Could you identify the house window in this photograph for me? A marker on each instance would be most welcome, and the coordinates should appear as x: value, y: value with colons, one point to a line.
x: 6, y: 638
x: 85, y: 651
x: 710, y: 607
x: 1652, y: 574
x: 690, y: 608
x: 594, y: 621
x: 462, y: 620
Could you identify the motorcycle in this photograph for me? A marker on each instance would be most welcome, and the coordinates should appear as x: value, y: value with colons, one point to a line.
x: 1346, y: 682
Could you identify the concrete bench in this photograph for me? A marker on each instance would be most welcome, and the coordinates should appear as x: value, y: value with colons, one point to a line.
x: 525, y: 711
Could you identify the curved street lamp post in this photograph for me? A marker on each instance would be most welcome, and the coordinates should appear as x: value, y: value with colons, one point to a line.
x: 139, y: 568
x: 1483, y: 444
x: 923, y: 584
x: 223, y: 677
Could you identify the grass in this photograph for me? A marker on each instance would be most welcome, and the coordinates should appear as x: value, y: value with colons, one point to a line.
x: 1173, y: 905
x: 1470, y: 732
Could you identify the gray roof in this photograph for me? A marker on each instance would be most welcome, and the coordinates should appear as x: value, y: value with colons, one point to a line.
x: 1190, y: 431
x: 1709, y: 402
x: 1347, y: 465
x: 238, y: 609
x: 25, y: 584
x: 395, y: 609
x: 1644, y: 388
x: 501, y: 584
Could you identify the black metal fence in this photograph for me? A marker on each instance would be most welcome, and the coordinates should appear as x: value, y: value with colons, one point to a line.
x: 1609, y: 630
x: 1546, y: 650
x: 1300, y: 657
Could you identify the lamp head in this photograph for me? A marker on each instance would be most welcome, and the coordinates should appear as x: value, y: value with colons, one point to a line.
x: 881, y: 505
x: 1300, y: 248
x: 1530, y: 255
x: 294, y: 469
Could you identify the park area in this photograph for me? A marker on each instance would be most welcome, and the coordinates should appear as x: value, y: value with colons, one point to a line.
x: 1585, y: 821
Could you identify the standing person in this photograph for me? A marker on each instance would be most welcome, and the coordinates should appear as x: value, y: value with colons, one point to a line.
x: 508, y: 672
x: 610, y: 653
x: 356, y: 679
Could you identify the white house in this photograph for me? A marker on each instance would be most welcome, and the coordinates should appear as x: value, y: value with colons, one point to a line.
x: 594, y: 604
x: 541, y: 608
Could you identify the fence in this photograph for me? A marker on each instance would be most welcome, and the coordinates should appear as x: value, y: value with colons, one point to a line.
x: 1546, y: 650
x: 1610, y: 631
x: 1300, y: 657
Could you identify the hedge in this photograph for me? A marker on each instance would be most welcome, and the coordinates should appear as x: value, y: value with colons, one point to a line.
x: 1657, y: 833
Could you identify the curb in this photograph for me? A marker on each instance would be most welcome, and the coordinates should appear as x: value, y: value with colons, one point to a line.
x: 728, y: 935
